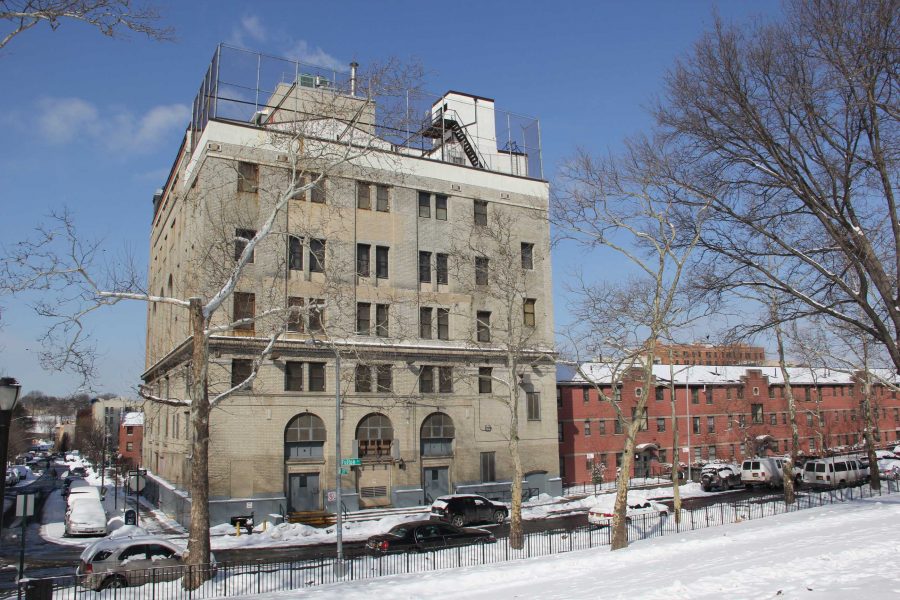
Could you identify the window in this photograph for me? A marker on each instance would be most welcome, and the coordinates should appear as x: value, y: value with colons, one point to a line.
x: 317, y: 377
x: 244, y: 307
x: 426, y: 379
x: 424, y: 267
x: 381, y: 199
x: 809, y: 419
x: 481, y: 212
x: 755, y: 391
x: 424, y: 205
x: 601, y: 427
x: 481, y: 270
x: 663, y: 455
x: 363, y: 318
x: 317, y: 192
x: 440, y: 208
x: 437, y: 435
x: 812, y: 444
x: 295, y: 253
x: 586, y: 430
x: 363, y: 378
x: 129, y: 446
x: 660, y: 393
x: 248, y: 177
x: 445, y: 380
x: 381, y: 262
x: 642, y: 426
x: 362, y: 260
x: 316, y: 322
x: 708, y: 395
x: 527, y: 256
x: 695, y: 396
x: 425, y: 323
x: 293, y: 376
x: 698, y: 454
x: 638, y: 391
x: 773, y: 419
x: 487, y: 466
x: 533, y: 400
x: 695, y: 425
x: 711, y: 453
x: 483, y: 325
x: 363, y: 195
x: 384, y: 378
x: 375, y: 434
x: 528, y: 312
x: 586, y: 394
x: 660, y: 424
x: 771, y: 392
x: 484, y: 380
x: 742, y: 421
x: 129, y: 430
x: 382, y: 314
x: 317, y: 256
x: 710, y: 424
x: 242, y: 237
x: 618, y: 427
x: 441, y: 268
x: 241, y: 368
x: 756, y: 410
x: 304, y: 437
x: 443, y: 323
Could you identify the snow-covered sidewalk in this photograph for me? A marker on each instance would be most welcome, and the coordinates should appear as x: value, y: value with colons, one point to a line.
x: 835, y: 552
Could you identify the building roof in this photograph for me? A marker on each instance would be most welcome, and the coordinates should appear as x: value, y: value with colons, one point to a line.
x: 601, y: 373
x: 133, y: 419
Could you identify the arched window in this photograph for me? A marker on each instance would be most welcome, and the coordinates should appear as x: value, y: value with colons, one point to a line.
x: 437, y: 435
x: 304, y: 437
x: 374, y: 434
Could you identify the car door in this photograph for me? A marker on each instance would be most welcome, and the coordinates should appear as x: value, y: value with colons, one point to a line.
x: 429, y: 537
x: 454, y: 536
x: 165, y: 563
x: 482, y: 510
x: 134, y: 564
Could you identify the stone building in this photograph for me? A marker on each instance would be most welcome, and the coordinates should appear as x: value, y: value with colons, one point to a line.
x: 709, y: 354
x: 392, y: 263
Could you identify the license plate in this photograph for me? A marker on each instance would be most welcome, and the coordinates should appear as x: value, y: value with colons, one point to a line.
x: 819, y: 477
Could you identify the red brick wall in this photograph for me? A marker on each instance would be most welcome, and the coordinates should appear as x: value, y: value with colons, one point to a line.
x: 133, y: 435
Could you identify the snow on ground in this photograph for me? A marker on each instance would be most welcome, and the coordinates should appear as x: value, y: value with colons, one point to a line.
x: 833, y: 552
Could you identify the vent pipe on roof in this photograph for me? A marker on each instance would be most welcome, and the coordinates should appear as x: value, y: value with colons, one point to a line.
x: 353, y: 67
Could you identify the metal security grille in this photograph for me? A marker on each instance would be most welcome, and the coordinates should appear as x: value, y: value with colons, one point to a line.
x: 378, y: 491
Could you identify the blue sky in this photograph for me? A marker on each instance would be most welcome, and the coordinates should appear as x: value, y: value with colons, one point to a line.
x: 93, y: 123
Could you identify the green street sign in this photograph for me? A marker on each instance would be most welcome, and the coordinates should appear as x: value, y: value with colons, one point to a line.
x: 351, y: 462
x: 345, y: 471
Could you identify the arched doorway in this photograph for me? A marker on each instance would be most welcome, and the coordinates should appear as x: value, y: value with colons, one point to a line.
x: 374, y: 445
x: 644, y: 454
x: 304, y: 443
x: 437, y: 436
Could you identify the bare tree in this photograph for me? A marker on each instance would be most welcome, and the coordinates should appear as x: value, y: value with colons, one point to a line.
x: 109, y: 17
x: 510, y: 317
x: 789, y: 131
x: 623, y: 206
x: 331, y: 134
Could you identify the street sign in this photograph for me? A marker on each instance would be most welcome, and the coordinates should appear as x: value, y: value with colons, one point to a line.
x: 25, y: 505
x: 332, y: 496
x: 351, y: 462
x: 136, y: 482
x: 345, y: 471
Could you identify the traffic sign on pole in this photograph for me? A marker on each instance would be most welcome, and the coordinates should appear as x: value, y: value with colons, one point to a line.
x: 351, y: 462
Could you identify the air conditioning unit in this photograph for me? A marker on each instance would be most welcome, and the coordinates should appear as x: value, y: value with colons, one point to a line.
x: 322, y: 82
x: 259, y: 117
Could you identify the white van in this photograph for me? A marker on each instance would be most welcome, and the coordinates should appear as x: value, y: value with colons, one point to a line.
x: 836, y: 471
x: 762, y: 471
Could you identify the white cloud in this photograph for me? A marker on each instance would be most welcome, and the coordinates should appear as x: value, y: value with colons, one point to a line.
x: 301, y: 50
x: 250, y: 29
x: 62, y: 120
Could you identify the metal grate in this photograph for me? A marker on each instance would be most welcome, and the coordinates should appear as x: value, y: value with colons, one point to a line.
x: 378, y: 491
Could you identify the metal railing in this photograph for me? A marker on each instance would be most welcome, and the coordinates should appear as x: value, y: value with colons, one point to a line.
x: 244, y: 578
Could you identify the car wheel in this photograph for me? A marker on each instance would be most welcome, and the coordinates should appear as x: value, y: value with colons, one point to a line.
x: 113, y: 583
x: 499, y: 517
x: 457, y: 520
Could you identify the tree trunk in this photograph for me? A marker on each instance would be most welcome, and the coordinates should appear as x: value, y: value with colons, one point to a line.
x: 788, y: 470
x: 516, y: 535
x: 620, y: 525
x: 198, y: 547
x: 787, y: 474
x: 676, y: 453
x: 874, y: 475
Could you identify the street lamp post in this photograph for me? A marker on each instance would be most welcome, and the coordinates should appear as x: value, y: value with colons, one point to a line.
x: 9, y: 395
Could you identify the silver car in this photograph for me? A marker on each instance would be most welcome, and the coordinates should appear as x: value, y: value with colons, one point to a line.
x: 128, y: 562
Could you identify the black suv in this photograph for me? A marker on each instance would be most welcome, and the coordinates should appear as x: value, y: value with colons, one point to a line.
x: 460, y: 510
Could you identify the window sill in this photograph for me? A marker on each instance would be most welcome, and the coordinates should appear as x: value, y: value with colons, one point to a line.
x: 305, y: 461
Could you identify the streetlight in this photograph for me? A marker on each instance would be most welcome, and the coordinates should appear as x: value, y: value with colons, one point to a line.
x: 339, y: 521
x: 9, y: 395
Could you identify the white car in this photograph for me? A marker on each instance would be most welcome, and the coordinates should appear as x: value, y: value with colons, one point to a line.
x: 86, y: 517
x: 602, y: 516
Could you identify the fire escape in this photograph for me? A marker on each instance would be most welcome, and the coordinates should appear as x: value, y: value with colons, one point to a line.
x: 448, y: 121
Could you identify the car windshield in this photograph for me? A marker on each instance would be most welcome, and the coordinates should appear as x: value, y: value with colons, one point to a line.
x: 399, y: 531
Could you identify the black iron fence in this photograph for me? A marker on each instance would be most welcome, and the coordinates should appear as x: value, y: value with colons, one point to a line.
x: 248, y: 578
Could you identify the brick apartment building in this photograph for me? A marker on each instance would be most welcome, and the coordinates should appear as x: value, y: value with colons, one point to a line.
x: 723, y: 412
x: 131, y: 438
x: 419, y: 333
x: 709, y: 354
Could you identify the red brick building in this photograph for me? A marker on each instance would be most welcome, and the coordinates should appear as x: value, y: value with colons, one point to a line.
x: 723, y: 412
x: 708, y: 354
x: 131, y: 438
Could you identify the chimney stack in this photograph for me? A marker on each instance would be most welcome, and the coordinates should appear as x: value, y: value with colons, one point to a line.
x: 353, y: 67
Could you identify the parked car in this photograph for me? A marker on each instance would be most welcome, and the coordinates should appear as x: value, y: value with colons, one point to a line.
x: 722, y: 476
x: 12, y: 476
x: 78, y: 471
x: 118, y: 562
x: 835, y: 471
x: 603, y: 516
x: 423, y: 536
x: 762, y: 471
x: 80, y: 487
x: 463, y: 509
x: 86, y: 517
